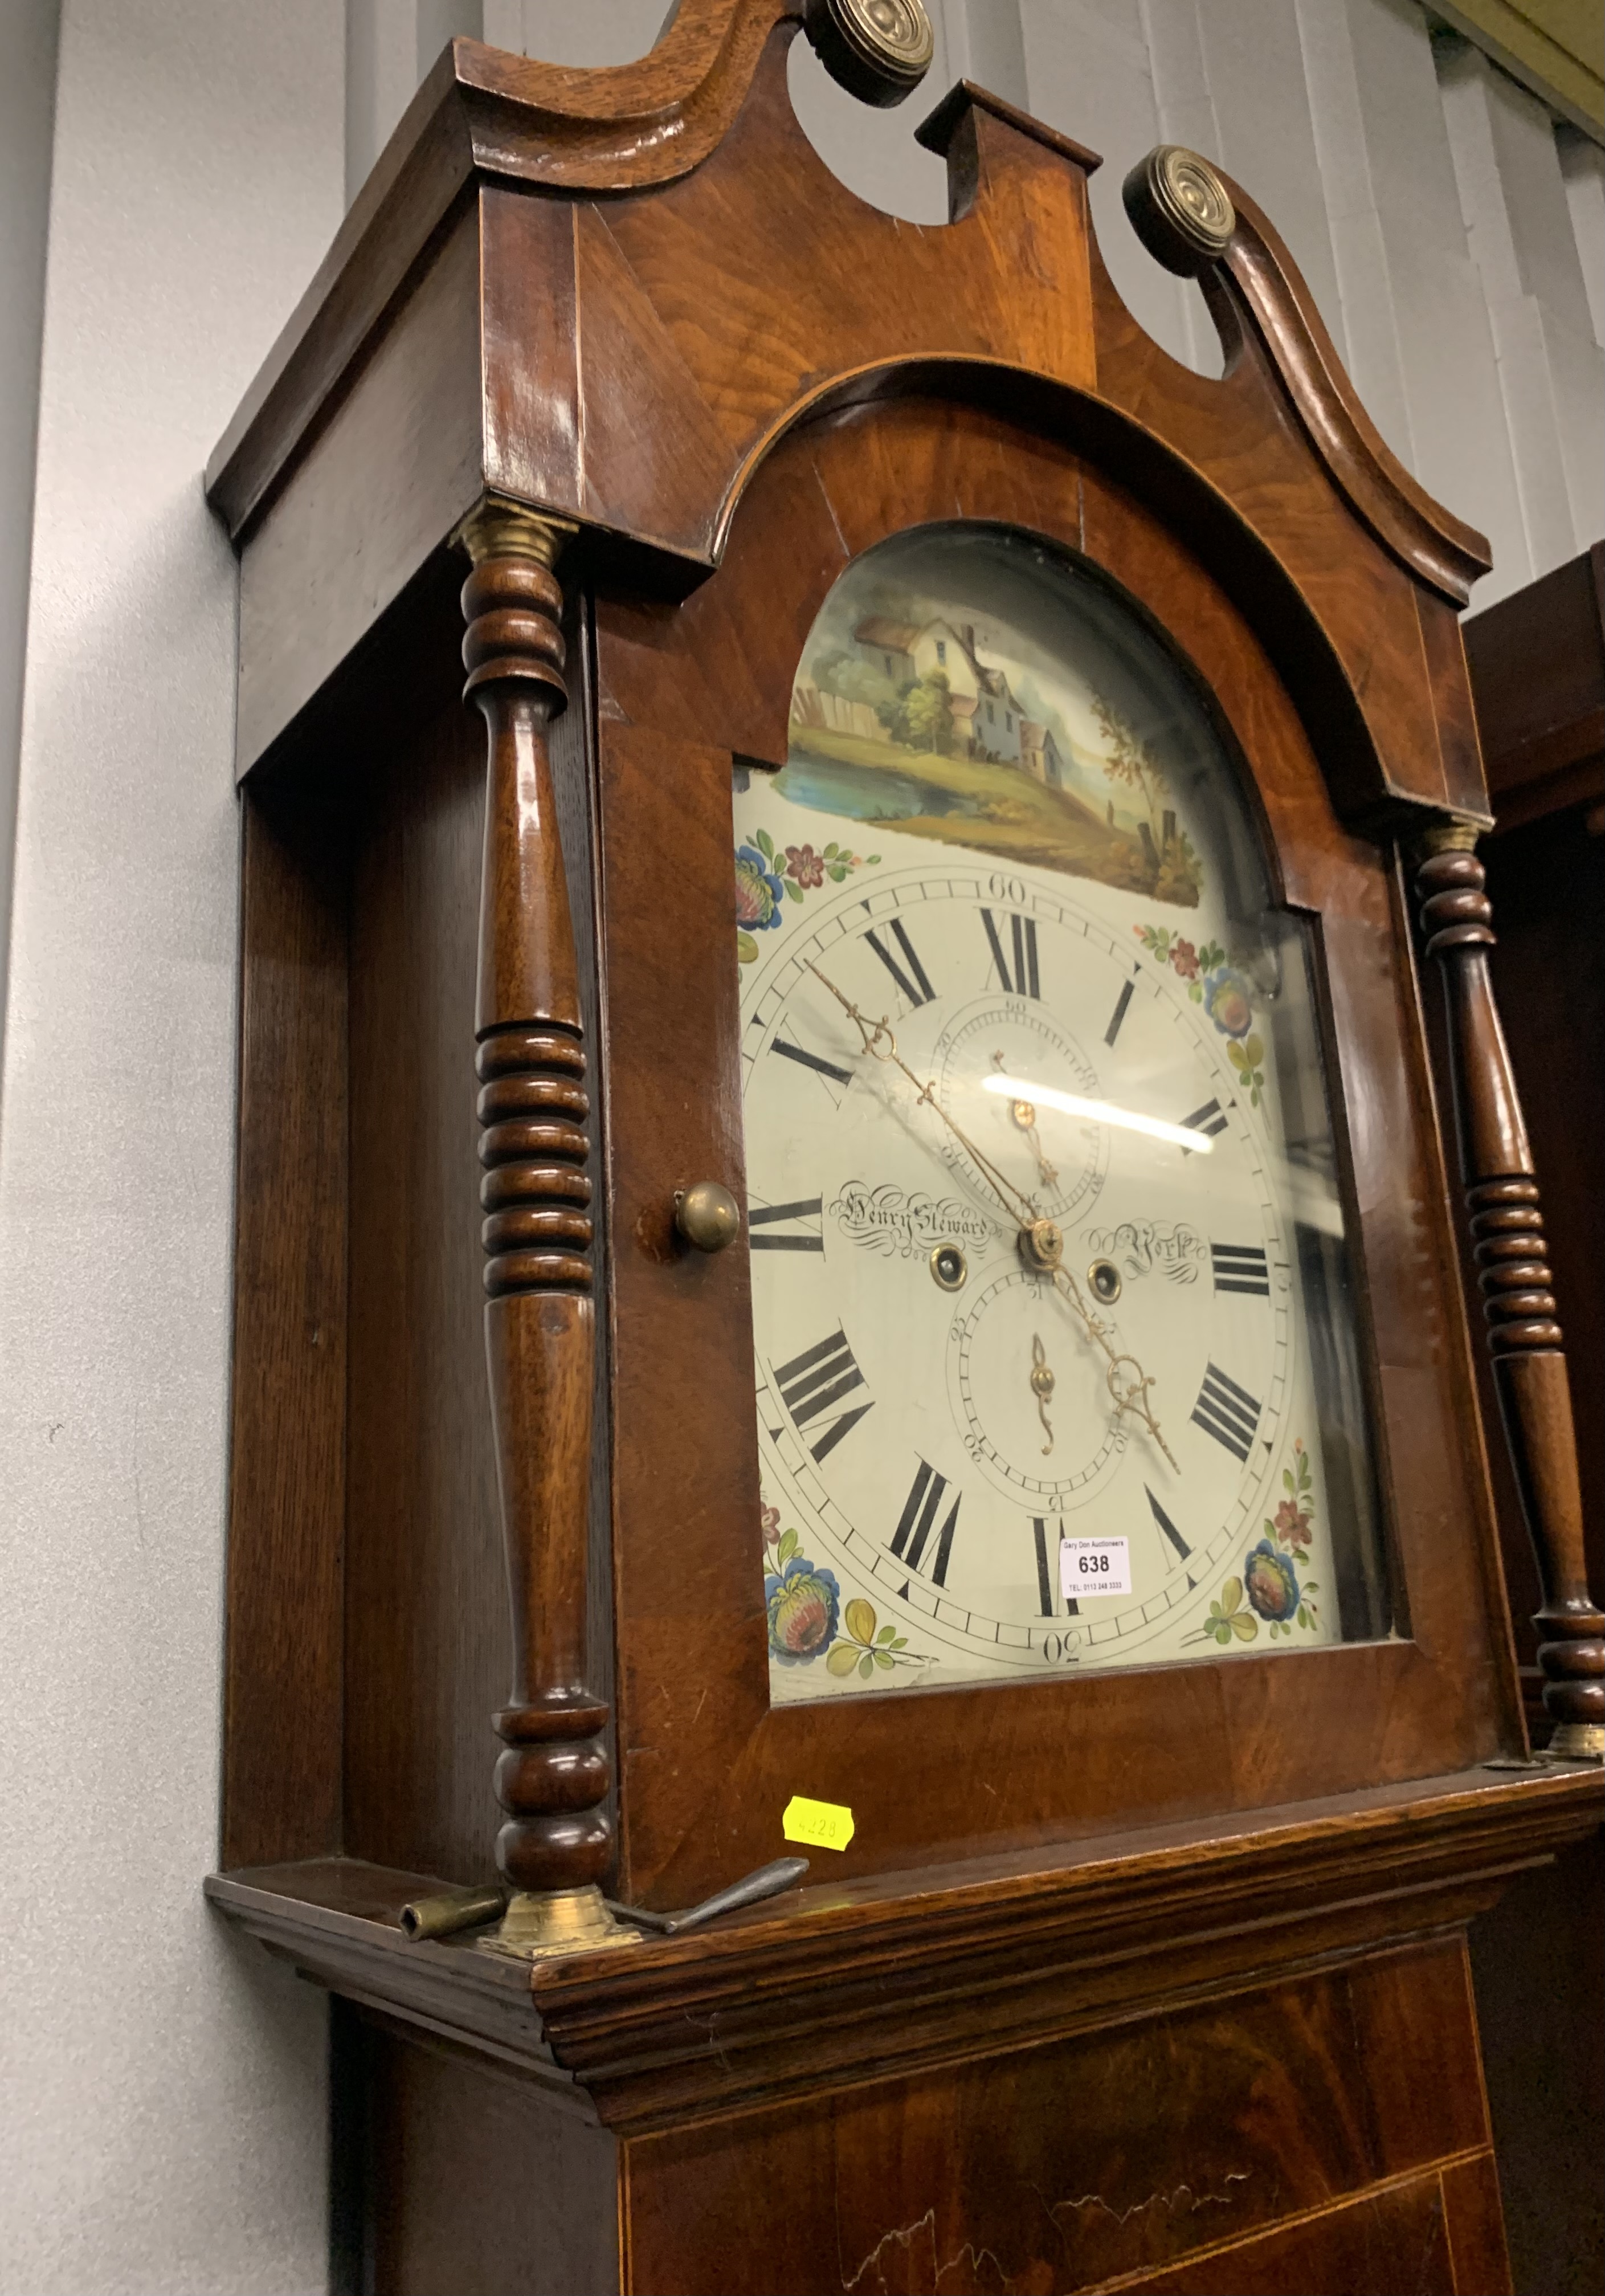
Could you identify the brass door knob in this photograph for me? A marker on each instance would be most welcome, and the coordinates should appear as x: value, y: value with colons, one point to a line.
x: 707, y: 1215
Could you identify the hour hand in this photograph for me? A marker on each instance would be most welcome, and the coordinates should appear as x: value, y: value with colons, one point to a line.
x: 1127, y: 1380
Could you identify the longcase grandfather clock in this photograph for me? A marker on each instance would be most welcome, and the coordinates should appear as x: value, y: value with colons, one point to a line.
x: 842, y: 1140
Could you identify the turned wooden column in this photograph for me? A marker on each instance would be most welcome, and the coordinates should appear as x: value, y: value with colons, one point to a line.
x: 553, y: 1777
x: 1507, y: 1230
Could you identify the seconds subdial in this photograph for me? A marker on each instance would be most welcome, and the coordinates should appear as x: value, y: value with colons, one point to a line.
x: 992, y: 1035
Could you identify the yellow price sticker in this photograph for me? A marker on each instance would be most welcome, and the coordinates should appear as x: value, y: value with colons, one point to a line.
x: 824, y: 1825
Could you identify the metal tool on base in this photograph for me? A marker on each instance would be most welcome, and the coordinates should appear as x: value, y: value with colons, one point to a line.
x: 447, y: 1911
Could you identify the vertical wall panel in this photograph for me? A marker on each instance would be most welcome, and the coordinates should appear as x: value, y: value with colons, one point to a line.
x: 1337, y: 116
x: 1421, y: 346
x: 1582, y: 168
x: 1504, y: 146
x: 161, y: 2083
x: 1087, y: 73
x: 1255, y: 66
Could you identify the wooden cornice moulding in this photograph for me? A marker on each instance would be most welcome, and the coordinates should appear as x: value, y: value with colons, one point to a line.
x: 908, y: 1971
x: 482, y: 112
x: 488, y: 331
x: 1197, y: 221
x: 1268, y: 293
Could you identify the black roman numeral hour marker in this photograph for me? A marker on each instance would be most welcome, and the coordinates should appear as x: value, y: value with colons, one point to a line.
x: 1047, y: 1572
x: 802, y: 1239
x: 1227, y: 1411
x: 1207, y: 1118
x: 917, y: 1521
x: 811, y: 1061
x: 1121, y: 1001
x: 814, y: 1382
x: 1022, y: 981
x: 924, y: 992
x: 1182, y: 1548
x: 1241, y: 1267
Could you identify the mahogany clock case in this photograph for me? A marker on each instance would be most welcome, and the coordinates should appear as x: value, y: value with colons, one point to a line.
x: 682, y: 689
x: 1085, y: 1927
x: 361, y: 900
x: 367, y: 1605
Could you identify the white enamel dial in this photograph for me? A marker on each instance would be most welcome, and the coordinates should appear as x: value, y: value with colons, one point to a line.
x: 1034, y: 1190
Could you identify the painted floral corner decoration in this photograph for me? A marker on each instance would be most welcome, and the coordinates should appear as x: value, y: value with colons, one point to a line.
x: 866, y: 1647
x: 1271, y: 1580
x: 768, y: 876
x: 1224, y: 993
x: 804, y: 1604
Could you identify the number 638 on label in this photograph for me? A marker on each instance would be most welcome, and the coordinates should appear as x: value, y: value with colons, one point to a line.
x: 1094, y: 1566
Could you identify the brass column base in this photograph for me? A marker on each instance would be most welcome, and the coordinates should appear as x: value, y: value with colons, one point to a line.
x: 539, y: 1927
x: 1578, y: 1741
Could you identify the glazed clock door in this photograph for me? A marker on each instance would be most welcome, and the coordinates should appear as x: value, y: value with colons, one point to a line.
x: 1053, y: 1317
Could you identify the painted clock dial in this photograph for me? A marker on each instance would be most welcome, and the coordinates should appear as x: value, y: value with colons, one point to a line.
x: 1053, y: 1327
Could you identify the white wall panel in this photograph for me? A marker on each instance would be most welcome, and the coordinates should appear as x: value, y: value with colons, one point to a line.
x: 1421, y: 347
x: 1337, y: 121
x: 1583, y: 166
x: 1088, y: 74
x: 27, y: 84
x: 1519, y: 226
x: 389, y: 46
x: 162, y: 2085
x: 1255, y: 63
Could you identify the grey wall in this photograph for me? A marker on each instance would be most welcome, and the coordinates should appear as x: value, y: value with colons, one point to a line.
x: 27, y: 88
x: 161, y: 2089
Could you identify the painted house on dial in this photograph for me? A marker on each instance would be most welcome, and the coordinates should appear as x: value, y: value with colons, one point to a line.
x: 986, y: 713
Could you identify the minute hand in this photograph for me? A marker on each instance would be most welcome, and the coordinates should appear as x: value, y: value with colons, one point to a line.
x: 1129, y: 1394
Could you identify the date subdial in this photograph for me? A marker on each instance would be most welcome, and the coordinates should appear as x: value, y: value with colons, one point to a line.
x: 991, y: 1037
x: 1004, y: 1371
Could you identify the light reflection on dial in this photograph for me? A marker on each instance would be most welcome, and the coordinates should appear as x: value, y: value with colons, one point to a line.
x: 992, y: 1033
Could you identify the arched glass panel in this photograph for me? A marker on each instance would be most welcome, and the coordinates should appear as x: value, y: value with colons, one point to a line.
x: 1054, y: 1322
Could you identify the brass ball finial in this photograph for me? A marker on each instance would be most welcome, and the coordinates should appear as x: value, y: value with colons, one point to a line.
x: 1179, y: 209
x: 877, y: 50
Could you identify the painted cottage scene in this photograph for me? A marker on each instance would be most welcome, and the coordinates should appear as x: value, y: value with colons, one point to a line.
x: 912, y: 711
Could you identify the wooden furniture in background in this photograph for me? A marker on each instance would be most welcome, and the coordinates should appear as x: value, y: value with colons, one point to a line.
x: 1157, y: 1976
x: 1538, y: 665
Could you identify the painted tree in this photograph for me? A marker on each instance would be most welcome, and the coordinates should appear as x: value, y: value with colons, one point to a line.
x: 1132, y: 764
x: 928, y: 715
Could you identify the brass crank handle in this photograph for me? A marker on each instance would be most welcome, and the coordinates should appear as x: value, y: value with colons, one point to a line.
x: 450, y: 1910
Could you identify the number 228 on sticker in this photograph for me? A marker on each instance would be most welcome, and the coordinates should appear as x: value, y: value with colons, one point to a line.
x: 1094, y: 1566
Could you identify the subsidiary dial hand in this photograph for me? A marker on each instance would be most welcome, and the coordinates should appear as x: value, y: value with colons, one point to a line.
x: 1041, y: 1244
x: 1043, y: 1384
x: 1025, y: 1116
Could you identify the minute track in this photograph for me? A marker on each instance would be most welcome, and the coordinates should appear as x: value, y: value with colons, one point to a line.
x: 969, y: 1611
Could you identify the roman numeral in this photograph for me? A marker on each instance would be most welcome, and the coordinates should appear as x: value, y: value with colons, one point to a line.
x: 917, y: 1521
x: 811, y: 1061
x: 924, y: 992
x: 1121, y: 1001
x: 770, y: 1214
x: 1241, y: 1267
x: 1047, y: 1572
x: 814, y: 1382
x: 1023, y: 981
x: 1207, y: 1118
x: 1182, y: 1548
x: 1227, y: 1411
